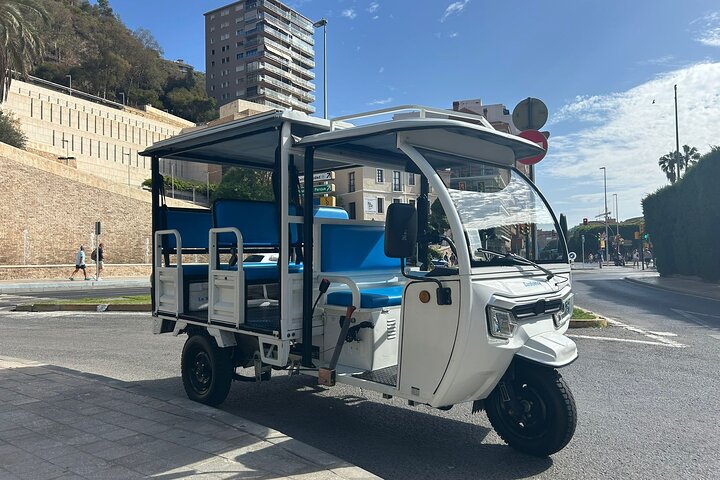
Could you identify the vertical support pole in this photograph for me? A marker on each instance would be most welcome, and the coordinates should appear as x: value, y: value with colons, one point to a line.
x: 677, y: 138
x: 423, y: 208
x: 155, y: 176
x: 308, y: 257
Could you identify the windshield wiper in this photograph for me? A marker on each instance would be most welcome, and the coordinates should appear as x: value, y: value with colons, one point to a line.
x: 519, y: 259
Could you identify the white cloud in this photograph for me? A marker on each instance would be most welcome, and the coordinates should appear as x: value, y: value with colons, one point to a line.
x: 454, y: 8
x: 349, y: 13
x: 627, y: 133
x: 710, y: 29
x: 453, y: 34
x: 382, y: 69
x: 382, y: 101
x: 373, y: 7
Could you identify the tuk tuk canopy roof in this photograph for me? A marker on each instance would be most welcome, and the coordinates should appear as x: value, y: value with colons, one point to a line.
x: 253, y: 141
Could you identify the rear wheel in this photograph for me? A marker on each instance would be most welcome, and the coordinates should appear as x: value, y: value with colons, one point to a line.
x: 207, y: 370
x: 535, y: 412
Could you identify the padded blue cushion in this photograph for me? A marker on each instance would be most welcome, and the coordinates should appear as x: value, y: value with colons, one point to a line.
x: 195, y: 271
x: 263, y: 272
x: 354, y: 247
x: 370, y: 298
x: 257, y: 222
x: 193, y: 226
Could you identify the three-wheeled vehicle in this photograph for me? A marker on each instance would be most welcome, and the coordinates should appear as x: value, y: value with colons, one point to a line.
x: 358, y: 302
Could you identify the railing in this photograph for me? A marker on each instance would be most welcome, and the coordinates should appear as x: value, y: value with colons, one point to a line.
x: 67, y: 90
x: 289, y: 16
x: 295, y: 55
x: 422, y: 113
x: 302, y: 93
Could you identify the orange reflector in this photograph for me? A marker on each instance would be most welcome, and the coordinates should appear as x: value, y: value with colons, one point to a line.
x: 424, y: 296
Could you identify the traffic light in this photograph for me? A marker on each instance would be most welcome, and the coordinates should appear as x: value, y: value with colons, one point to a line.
x: 646, y: 236
x: 585, y: 221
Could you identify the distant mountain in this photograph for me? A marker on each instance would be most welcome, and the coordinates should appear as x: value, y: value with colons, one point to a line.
x: 105, y: 58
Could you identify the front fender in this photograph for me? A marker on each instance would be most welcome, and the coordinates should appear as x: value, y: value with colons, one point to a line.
x: 551, y: 348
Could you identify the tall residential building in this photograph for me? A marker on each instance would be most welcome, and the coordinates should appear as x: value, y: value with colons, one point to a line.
x: 261, y: 51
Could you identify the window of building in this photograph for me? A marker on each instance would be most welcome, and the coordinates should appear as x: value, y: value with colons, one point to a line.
x: 239, y: 56
x: 212, y: 41
x: 379, y: 175
x: 238, y: 7
x: 411, y: 179
x: 397, y: 182
x: 224, y: 36
x: 212, y: 29
x: 351, y: 181
x: 212, y: 52
x: 224, y: 24
x: 397, y: 200
x: 351, y: 210
x: 212, y: 17
x: 225, y: 12
x: 411, y: 202
x: 381, y: 205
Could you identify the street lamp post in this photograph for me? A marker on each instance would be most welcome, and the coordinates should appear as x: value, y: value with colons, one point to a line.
x: 677, y: 138
x: 70, y: 77
x: 607, y: 239
x: 617, y: 225
x: 323, y: 23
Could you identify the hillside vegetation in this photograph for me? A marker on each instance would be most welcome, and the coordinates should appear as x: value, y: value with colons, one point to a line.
x: 105, y: 58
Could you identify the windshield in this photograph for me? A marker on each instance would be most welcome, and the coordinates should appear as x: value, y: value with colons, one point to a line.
x: 501, y: 212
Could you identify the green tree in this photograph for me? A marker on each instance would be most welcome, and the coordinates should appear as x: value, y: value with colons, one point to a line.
x: 245, y: 184
x: 688, y: 157
x: 10, y: 132
x: 21, y: 23
x: 668, y: 164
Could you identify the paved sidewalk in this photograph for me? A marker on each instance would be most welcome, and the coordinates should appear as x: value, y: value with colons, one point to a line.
x: 685, y: 285
x: 59, y: 285
x: 62, y: 424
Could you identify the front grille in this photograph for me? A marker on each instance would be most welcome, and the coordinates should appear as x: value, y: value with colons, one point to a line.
x: 541, y: 307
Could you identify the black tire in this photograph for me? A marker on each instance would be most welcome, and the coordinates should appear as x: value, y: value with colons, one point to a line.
x: 207, y: 370
x: 548, y: 417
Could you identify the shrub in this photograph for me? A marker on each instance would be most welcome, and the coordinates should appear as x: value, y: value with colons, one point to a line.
x: 10, y: 132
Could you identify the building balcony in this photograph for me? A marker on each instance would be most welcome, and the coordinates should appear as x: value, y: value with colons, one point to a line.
x: 301, y: 22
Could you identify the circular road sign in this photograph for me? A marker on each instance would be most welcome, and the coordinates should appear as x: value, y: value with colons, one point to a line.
x: 530, y: 114
x: 572, y: 256
x: 535, y: 137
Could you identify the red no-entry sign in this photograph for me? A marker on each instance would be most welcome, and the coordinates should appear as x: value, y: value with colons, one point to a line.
x: 535, y: 137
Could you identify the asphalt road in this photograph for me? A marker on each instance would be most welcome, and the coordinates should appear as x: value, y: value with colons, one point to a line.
x: 646, y: 399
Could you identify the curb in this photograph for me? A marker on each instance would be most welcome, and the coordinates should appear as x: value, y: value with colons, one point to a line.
x: 72, y: 286
x: 668, y: 289
x: 598, y: 322
x: 83, y: 307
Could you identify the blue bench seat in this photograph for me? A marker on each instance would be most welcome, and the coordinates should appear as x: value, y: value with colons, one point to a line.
x: 255, y: 272
x: 370, y: 298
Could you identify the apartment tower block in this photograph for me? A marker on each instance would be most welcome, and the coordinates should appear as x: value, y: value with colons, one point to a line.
x: 260, y: 51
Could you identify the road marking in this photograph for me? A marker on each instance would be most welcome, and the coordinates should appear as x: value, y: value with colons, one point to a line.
x: 664, y: 334
x: 695, y: 318
x: 628, y: 340
x: 716, y: 336
x: 652, y: 336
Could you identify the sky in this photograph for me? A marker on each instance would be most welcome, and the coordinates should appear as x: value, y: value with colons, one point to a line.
x: 606, y: 71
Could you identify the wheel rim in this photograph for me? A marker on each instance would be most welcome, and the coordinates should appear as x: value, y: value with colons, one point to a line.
x: 532, y: 420
x: 201, y: 372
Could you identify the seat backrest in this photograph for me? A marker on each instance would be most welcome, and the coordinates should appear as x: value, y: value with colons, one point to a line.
x: 192, y: 223
x: 354, y: 247
x: 257, y: 221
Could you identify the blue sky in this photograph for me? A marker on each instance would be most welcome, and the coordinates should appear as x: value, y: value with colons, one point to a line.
x: 597, y: 65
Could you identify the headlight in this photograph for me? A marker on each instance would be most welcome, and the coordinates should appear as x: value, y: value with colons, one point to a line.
x: 566, y: 310
x: 501, y: 323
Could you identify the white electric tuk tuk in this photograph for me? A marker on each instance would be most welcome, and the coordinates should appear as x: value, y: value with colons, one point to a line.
x: 357, y: 301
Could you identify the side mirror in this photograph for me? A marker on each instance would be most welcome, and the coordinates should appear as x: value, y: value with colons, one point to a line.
x: 400, y: 230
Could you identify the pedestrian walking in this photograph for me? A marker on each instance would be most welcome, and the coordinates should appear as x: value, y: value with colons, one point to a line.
x: 636, y: 259
x: 647, y: 257
x: 600, y: 257
x: 100, y: 257
x: 79, y: 263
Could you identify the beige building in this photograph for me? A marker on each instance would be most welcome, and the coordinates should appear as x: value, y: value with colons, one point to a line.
x: 93, y: 135
x: 261, y: 51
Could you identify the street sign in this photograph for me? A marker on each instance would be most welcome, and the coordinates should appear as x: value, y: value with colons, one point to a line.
x: 325, y: 188
x: 535, y: 137
x: 327, y: 201
x: 530, y: 114
x: 572, y: 256
x: 320, y: 177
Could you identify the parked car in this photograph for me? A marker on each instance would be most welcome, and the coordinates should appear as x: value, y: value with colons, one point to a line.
x: 262, y: 258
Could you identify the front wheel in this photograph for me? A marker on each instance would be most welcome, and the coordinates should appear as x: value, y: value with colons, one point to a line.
x: 207, y: 370
x: 534, y: 412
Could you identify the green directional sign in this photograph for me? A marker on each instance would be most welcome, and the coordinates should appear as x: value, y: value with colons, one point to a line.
x: 327, y: 188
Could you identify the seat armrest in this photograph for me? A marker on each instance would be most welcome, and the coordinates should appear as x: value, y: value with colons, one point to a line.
x: 350, y: 283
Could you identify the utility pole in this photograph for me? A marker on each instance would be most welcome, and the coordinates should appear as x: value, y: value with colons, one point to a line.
x: 677, y: 138
x: 607, y: 237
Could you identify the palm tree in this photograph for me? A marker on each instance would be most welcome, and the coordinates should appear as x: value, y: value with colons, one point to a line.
x: 668, y: 164
x: 20, y: 38
x: 687, y: 158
